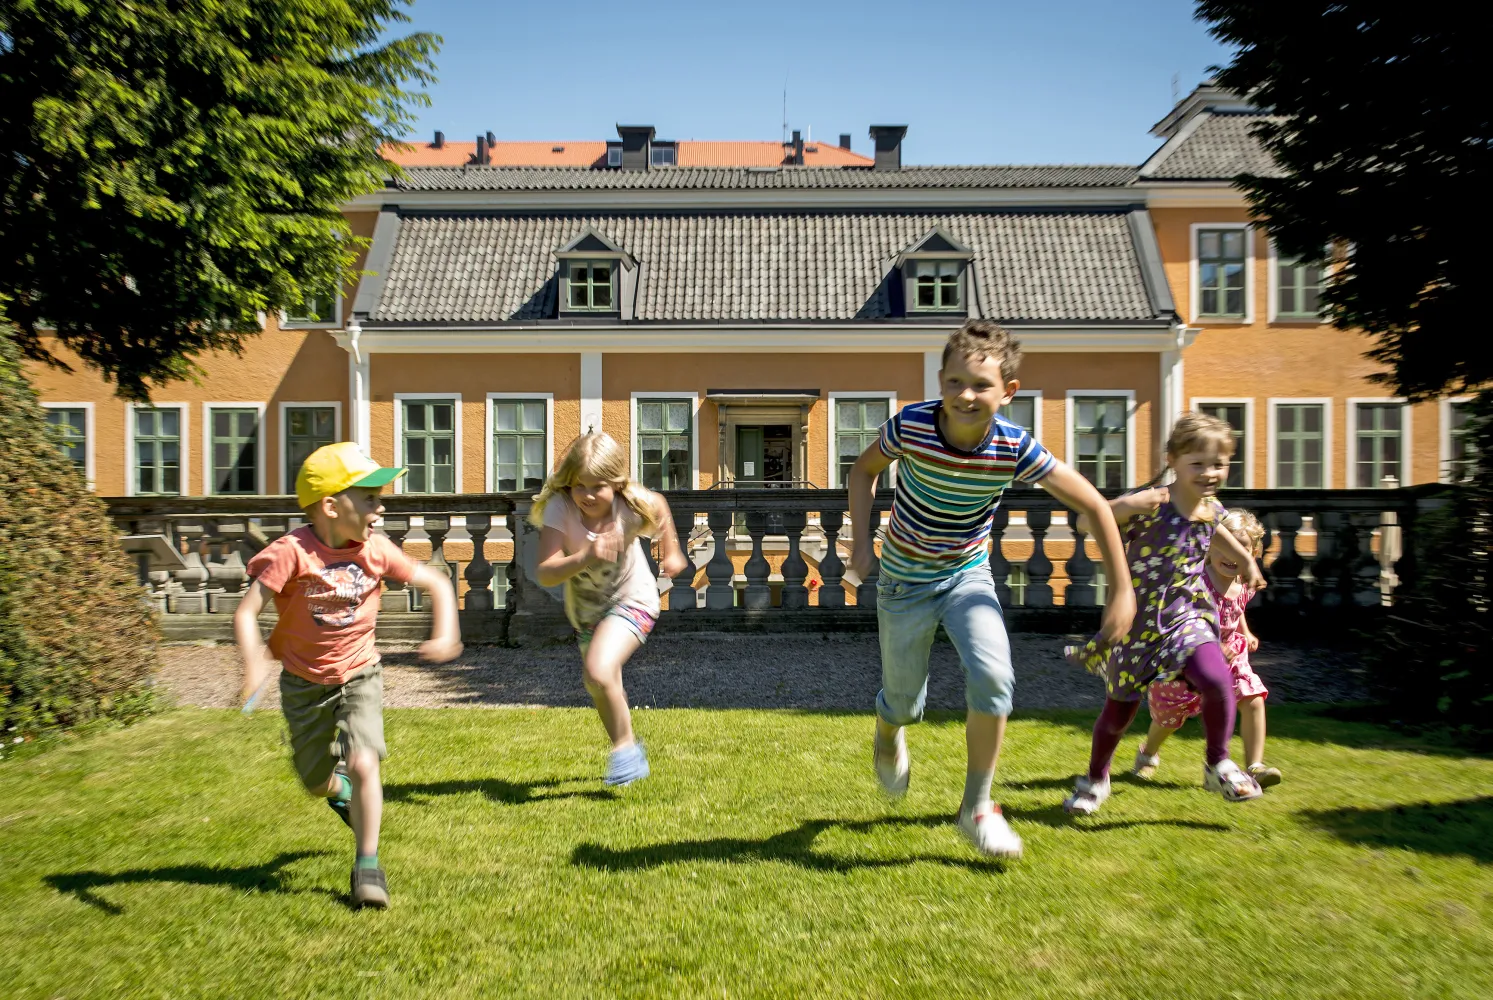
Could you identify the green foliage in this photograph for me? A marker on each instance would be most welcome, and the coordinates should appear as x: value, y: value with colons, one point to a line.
x: 1386, y: 144
x: 171, y: 169
x: 77, y: 642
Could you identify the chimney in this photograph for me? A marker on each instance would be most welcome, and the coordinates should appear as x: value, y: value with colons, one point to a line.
x: 888, y: 141
x: 440, y: 141
x: 491, y: 140
x: 636, y: 140
x: 482, y: 157
x: 844, y: 140
x: 798, y: 148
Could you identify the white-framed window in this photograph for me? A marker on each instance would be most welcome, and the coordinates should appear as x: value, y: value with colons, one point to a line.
x: 73, y: 423
x: 318, y: 310
x: 590, y: 286
x: 156, y: 449
x: 233, y: 449
x: 1025, y: 409
x: 666, y: 440
x: 1299, y: 443
x: 1458, y: 451
x: 1221, y: 266
x: 1016, y: 581
x: 520, y: 440
x: 662, y: 156
x: 1295, y: 289
x: 1239, y: 414
x: 614, y: 155
x: 305, y: 427
x: 1101, y: 435
x: 1379, y: 432
x: 855, y: 420
x: 427, y: 441
x: 936, y: 286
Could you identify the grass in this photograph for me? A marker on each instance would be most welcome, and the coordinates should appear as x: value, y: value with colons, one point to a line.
x: 177, y: 858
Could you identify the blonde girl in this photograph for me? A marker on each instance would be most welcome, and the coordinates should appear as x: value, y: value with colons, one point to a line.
x: 592, y: 518
x: 1173, y: 702
x: 1168, y: 531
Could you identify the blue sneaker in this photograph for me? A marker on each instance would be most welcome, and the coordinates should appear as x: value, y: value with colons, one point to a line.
x: 626, y: 765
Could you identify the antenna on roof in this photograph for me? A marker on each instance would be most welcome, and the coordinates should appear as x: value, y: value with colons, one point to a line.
x: 1176, y: 86
x: 785, y: 110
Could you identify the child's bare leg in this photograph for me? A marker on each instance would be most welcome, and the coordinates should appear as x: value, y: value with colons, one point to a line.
x: 982, y: 741
x: 368, y: 800
x: 1252, y: 728
x: 612, y: 644
x: 1155, y: 736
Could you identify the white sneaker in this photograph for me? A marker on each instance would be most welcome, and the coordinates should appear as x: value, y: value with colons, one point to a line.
x: 1145, y: 763
x: 1087, y: 796
x: 1229, y: 781
x: 990, y: 833
x: 893, y: 767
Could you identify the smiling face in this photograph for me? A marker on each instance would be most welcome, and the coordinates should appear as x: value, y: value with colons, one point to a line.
x: 593, y: 496
x: 973, y: 390
x: 1201, y: 469
x: 1223, y: 562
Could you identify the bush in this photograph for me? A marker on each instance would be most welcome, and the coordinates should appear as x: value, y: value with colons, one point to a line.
x: 77, y: 642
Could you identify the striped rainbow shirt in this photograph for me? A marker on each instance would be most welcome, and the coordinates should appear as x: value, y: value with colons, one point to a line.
x: 941, y: 510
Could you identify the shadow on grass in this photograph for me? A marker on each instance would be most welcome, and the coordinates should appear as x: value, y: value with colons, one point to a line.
x: 1055, y: 817
x: 511, y: 793
x: 1428, y: 827
x: 249, y: 878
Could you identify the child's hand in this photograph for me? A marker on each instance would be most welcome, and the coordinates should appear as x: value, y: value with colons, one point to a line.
x: 1254, y: 580
x: 1252, y: 641
x: 860, y: 562
x: 672, y: 566
x: 1119, y: 615
x: 256, y: 669
x: 440, y: 649
x: 606, y: 546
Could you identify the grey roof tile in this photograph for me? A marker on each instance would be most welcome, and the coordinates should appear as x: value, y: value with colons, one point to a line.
x: 750, y: 178
x: 1219, y: 148
x: 724, y: 267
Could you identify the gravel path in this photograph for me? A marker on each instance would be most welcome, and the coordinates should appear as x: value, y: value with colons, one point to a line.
x: 736, y: 671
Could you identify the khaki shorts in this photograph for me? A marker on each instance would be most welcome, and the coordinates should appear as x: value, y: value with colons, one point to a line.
x: 329, y: 721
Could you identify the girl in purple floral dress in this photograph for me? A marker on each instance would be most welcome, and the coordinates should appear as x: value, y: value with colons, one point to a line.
x: 1167, y: 534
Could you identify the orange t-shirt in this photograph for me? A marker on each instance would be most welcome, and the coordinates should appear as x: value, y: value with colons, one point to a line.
x: 327, y: 600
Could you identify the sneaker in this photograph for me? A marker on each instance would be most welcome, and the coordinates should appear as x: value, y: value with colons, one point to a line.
x: 626, y: 766
x: 1264, y: 776
x: 990, y: 833
x: 369, y: 888
x: 1145, y: 763
x: 1088, y: 795
x: 893, y: 766
x: 1229, y: 781
x: 342, y: 807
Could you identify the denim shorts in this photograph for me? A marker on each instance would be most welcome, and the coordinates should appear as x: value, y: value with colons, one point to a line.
x: 908, y: 616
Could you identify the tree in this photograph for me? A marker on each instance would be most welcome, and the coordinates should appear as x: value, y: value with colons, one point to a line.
x: 1385, y: 142
x: 171, y: 170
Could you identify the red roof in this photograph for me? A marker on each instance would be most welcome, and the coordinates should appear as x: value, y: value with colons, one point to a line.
x: 586, y: 154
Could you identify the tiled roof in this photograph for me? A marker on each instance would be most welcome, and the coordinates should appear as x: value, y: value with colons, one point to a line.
x: 696, y: 153
x: 744, y: 267
x: 729, y: 178
x: 691, y: 153
x: 1219, y: 147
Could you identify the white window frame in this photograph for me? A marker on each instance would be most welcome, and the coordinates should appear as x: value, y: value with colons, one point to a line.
x: 184, y: 448
x: 399, y: 398
x: 1444, y: 413
x: 286, y: 323
x: 890, y: 396
x: 614, y: 160
x: 488, y: 486
x: 1271, y: 404
x: 1406, y: 439
x: 1036, y: 396
x: 694, y: 434
x: 1248, y: 403
x: 284, y: 442
x: 1071, y: 442
x: 88, y: 432
x: 1249, y: 275
x: 1272, y: 306
x: 207, y: 446
x: 661, y: 149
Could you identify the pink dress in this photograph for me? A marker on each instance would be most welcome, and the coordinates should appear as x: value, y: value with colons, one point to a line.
x: 1173, y: 702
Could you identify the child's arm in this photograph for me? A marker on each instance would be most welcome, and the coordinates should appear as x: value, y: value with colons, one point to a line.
x: 250, y: 643
x: 672, y: 559
x: 863, y: 475
x: 444, y: 643
x: 1128, y: 506
x: 1251, y: 641
x: 1077, y: 493
x: 555, y: 567
x: 1243, y: 556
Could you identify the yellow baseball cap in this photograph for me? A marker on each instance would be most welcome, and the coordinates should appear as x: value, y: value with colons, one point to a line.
x: 333, y: 468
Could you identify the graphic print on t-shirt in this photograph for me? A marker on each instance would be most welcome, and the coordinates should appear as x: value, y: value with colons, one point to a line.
x: 334, y: 594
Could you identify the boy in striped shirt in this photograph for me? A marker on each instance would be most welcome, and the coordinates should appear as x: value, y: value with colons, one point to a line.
x: 956, y: 457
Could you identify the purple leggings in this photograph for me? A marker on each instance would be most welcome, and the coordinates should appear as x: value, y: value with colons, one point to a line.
x: 1208, y: 672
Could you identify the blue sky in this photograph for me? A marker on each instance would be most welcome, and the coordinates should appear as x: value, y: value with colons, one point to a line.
x: 1062, y: 81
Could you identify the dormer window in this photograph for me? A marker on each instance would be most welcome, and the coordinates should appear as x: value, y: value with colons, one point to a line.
x: 936, y: 285
x: 595, y: 276
x: 614, y: 154
x: 589, y: 286
x: 663, y: 155
x: 936, y: 272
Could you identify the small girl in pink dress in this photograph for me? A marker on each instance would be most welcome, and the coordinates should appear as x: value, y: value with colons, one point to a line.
x: 1173, y: 702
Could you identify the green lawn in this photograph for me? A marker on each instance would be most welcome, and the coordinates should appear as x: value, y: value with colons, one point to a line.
x: 177, y: 858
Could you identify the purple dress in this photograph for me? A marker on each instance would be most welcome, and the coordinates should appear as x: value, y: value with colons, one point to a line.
x: 1167, y: 552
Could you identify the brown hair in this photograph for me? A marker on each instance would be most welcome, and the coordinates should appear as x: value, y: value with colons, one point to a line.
x: 984, y: 338
x: 599, y: 456
x: 1247, y: 528
x: 1193, y: 429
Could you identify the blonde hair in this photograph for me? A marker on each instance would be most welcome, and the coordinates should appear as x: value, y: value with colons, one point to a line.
x: 1193, y: 429
x: 597, y: 455
x: 984, y: 338
x: 1247, y: 528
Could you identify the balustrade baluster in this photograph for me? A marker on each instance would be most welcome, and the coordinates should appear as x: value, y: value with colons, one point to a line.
x: 1081, y: 591
x: 1268, y: 595
x: 396, y: 596
x: 682, y: 596
x: 1000, y: 566
x: 438, y: 526
x: 1364, y: 584
x: 1406, y: 567
x: 1039, y: 567
x: 758, y: 594
x: 1327, y: 565
x: 229, y: 574
x: 795, y: 570
x: 479, y: 571
x: 1286, y: 585
x: 831, y: 566
x: 865, y: 594
x: 190, y: 599
x: 720, y: 570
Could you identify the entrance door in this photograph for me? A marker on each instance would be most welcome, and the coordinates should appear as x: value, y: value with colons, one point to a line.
x: 764, y: 455
x: 749, y: 455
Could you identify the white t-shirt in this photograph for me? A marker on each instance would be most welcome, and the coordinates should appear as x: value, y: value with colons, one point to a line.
x: 603, y: 585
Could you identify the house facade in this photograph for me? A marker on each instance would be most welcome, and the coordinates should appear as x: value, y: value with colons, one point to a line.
x: 751, y: 312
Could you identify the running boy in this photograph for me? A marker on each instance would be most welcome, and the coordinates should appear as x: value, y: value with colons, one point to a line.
x: 956, y: 457
x: 324, y: 578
